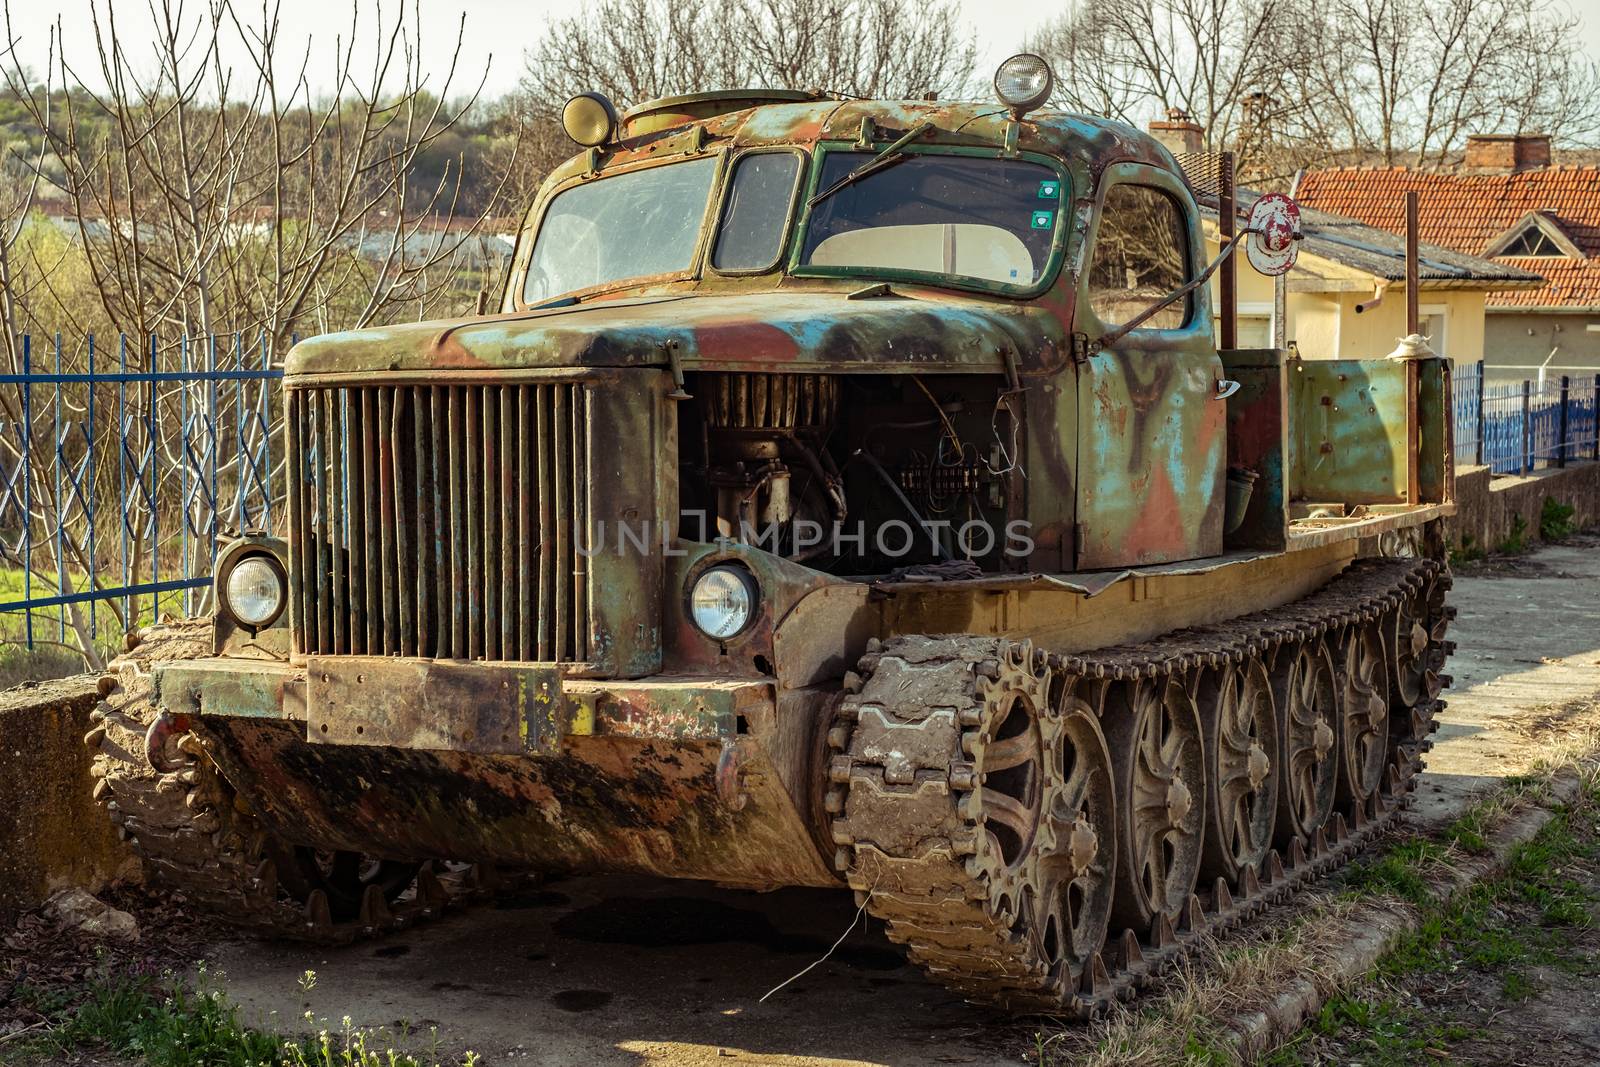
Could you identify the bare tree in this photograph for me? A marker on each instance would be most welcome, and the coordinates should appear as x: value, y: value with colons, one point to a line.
x: 203, y: 200
x: 213, y: 199
x: 1295, y: 85
x: 1136, y: 59
x: 634, y: 50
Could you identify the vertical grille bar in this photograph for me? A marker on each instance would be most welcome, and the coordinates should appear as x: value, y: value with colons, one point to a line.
x: 443, y: 638
x: 393, y: 401
x: 505, y: 520
x: 330, y: 523
x: 578, y: 616
x: 561, y: 442
x: 526, y: 502
x: 547, y: 524
x: 370, y: 522
x: 427, y: 575
x: 457, y: 517
x: 470, y: 584
x: 298, y: 541
x: 388, y: 586
x: 488, y: 421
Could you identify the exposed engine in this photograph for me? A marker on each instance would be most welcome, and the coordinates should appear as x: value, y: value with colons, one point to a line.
x: 858, y: 474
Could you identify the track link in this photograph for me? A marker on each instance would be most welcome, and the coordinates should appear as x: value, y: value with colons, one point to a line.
x: 195, y: 836
x: 907, y: 797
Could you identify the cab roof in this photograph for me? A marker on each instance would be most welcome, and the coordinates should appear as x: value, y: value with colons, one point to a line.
x: 1084, y: 143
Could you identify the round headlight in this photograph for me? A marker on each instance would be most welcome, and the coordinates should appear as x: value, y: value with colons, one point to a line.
x: 1023, y: 83
x: 255, y: 591
x: 589, y: 119
x: 722, y: 601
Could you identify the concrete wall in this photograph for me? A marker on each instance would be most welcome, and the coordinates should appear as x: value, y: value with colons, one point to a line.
x: 52, y: 833
x: 1524, y: 339
x: 1486, y: 508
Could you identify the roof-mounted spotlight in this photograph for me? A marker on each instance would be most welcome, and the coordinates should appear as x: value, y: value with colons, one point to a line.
x: 590, y: 119
x: 1023, y: 83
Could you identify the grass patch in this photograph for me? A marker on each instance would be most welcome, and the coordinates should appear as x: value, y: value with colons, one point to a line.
x: 169, y: 1023
x: 1485, y: 930
x: 1555, y: 520
x: 1468, y: 551
x: 1515, y: 542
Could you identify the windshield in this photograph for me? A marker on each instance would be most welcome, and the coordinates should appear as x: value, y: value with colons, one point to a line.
x: 633, y: 225
x: 989, y: 220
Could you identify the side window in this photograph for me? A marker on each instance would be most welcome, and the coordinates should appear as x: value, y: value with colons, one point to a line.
x: 756, y: 210
x: 1140, y: 255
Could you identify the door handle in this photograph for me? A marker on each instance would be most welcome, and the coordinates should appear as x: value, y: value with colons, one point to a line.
x: 1225, y: 389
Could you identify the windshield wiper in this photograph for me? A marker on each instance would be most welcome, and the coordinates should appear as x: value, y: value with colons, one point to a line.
x: 882, y: 161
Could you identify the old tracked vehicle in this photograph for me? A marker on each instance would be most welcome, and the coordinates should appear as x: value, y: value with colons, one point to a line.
x: 845, y: 493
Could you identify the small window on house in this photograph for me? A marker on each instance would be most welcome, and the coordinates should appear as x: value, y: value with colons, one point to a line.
x: 1531, y: 242
x: 759, y: 196
x: 1140, y: 255
x: 1432, y: 324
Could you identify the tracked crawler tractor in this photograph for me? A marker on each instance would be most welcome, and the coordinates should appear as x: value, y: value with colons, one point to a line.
x: 845, y: 494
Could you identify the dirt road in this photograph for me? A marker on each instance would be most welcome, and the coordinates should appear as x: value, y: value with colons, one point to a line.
x: 622, y: 971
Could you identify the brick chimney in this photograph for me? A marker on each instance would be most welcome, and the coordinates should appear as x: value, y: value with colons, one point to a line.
x: 1507, y: 153
x: 1181, y: 135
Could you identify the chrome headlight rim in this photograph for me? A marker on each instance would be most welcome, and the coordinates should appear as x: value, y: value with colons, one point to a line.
x: 224, y: 579
x: 752, y: 592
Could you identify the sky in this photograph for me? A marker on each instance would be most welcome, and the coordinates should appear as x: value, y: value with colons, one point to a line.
x: 497, y: 31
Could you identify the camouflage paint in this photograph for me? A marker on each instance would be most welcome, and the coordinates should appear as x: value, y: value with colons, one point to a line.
x: 1151, y: 439
x: 708, y: 768
x: 1350, y: 431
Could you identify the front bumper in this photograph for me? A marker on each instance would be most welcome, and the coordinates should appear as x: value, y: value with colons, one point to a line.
x: 440, y: 705
x: 686, y: 777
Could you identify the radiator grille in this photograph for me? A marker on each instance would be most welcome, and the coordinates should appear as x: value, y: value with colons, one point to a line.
x: 440, y: 521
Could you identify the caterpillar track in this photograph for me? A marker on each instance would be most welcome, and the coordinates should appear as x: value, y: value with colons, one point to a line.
x: 1049, y: 832
x: 195, y: 836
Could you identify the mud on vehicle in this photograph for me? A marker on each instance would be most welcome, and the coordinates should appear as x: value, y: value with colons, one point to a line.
x: 845, y: 494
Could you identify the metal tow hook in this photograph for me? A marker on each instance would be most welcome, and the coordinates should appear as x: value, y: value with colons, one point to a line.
x: 166, y: 727
x: 730, y: 777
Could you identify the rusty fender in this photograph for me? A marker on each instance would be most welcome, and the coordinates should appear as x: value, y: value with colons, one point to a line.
x: 510, y: 764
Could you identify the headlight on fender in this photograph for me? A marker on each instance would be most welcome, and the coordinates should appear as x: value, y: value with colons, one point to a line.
x: 722, y: 601
x: 255, y: 590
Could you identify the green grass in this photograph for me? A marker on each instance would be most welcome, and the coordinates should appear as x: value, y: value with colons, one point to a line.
x: 55, y: 652
x: 165, y: 1023
x: 1555, y: 520
x: 1485, y: 928
x: 1469, y: 551
x: 1516, y: 542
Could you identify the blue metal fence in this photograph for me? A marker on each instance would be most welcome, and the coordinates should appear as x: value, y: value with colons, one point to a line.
x: 1528, y: 425
x: 118, y: 474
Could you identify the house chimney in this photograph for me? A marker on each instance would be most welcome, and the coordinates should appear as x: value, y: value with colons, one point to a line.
x: 1507, y: 153
x: 1181, y: 135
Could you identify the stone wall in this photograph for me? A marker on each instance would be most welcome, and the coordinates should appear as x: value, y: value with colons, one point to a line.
x: 1486, y: 507
x: 52, y: 833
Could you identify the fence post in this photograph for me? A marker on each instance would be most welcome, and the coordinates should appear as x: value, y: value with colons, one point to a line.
x: 1482, y: 422
x: 1594, y: 424
x: 1527, y: 426
x: 1562, y: 423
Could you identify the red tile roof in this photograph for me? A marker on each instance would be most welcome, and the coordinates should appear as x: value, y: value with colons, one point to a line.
x: 1468, y: 211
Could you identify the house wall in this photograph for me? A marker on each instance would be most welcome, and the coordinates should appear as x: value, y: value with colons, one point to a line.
x: 1516, y: 340
x: 1374, y: 332
x: 1326, y: 326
